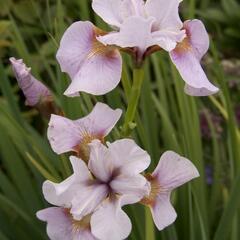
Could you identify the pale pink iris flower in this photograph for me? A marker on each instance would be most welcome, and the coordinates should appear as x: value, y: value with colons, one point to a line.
x: 93, y: 62
x: 111, y: 180
x: 91, y: 57
x: 172, y: 171
x: 62, y: 226
x: 33, y: 90
x: 67, y: 135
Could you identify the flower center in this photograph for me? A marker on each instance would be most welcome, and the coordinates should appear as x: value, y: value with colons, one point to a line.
x: 183, y: 46
x: 83, y: 224
x: 77, y: 225
x: 98, y: 48
x: 155, y: 190
x: 83, y: 150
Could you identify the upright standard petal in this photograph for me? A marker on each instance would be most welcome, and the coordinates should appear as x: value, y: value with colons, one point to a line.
x: 109, y: 11
x: 110, y: 212
x: 166, y: 14
x: 61, y: 225
x: 173, y: 171
x: 132, y: 185
x: 128, y: 157
x: 81, y: 56
x: 61, y: 194
x: 186, y: 57
x: 134, y: 32
x: 114, y: 12
x: 34, y: 90
x: 88, y: 199
x: 167, y: 39
x: 100, y: 161
x: 67, y: 135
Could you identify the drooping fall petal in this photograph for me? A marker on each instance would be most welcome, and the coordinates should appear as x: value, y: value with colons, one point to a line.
x: 186, y: 57
x: 61, y: 225
x: 174, y: 170
x: 163, y: 212
x: 171, y: 172
x: 110, y: 221
x: 62, y: 194
x: 82, y: 56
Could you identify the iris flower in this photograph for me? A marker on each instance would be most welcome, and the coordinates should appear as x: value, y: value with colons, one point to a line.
x: 111, y: 180
x: 91, y: 56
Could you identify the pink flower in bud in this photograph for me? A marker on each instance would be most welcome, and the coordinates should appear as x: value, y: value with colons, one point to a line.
x: 34, y: 91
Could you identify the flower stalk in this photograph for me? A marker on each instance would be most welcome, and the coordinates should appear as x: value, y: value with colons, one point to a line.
x: 138, y: 77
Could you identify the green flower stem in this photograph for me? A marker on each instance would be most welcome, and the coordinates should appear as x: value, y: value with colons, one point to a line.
x: 149, y: 225
x: 138, y: 76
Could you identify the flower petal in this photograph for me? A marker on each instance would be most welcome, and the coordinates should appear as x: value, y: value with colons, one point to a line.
x: 128, y: 157
x: 108, y: 69
x: 198, y: 92
x: 33, y: 89
x: 192, y: 73
x: 114, y: 12
x: 132, y: 185
x: 110, y: 222
x: 100, y: 161
x: 166, y: 14
x: 64, y: 134
x: 173, y: 171
x: 163, y: 212
x: 167, y: 39
x: 101, y: 120
x: 86, y: 200
x: 198, y: 37
x: 84, y: 235
x: 61, y: 194
x: 59, y: 225
x: 74, y: 47
x: 134, y: 32
x: 81, y: 56
x: 109, y: 11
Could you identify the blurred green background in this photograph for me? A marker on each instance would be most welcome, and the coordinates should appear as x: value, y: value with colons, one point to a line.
x: 206, y: 130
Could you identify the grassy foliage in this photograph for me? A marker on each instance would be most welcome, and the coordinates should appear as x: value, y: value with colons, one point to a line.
x: 166, y: 119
